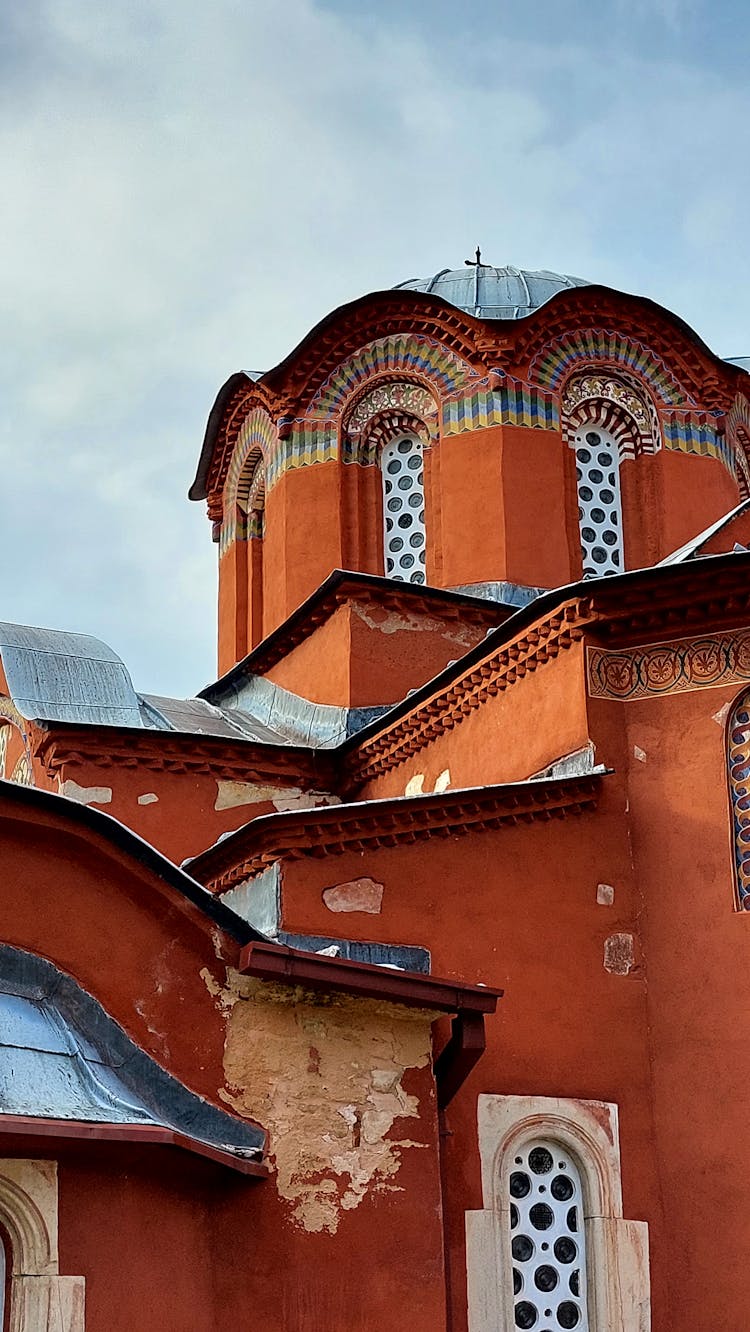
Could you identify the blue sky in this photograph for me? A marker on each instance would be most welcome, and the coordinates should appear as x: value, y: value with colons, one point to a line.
x: 187, y: 189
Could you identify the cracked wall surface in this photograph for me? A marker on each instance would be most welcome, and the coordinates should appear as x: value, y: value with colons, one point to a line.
x: 324, y: 1075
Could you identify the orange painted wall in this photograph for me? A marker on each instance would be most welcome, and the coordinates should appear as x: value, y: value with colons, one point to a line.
x: 517, y: 908
x: 365, y: 655
x: 669, y: 497
x: 465, y: 517
x: 510, y: 737
x: 184, y: 820
x: 166, y: 1242
x: 538, y: 495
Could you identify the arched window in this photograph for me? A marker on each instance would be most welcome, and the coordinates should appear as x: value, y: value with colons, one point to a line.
x: 251, y: 497
x: 599, y: 500
x: 401, y: 464
x: 550, y: 1248
x: 738, y: 762
x: 548, y: 1243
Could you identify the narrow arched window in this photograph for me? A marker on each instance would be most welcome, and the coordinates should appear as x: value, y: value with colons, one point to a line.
x: 401, y: 464
x: 547, y: 1238
x: 738, y: 757
x: 599, y: 500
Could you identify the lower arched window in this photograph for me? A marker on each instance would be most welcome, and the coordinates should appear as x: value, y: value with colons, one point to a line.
x: 401, y: 464
x: 548, y: 1246
x: 738, y: 764
x: 599, y: 501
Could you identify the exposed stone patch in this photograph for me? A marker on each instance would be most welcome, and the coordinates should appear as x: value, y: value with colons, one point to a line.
x: 639, y: 753
x: 148, y: 798
x: 619, y: 955
x: 86, y: 795
x: 357, y: 895
x: 415, y: 785
x: 442, y: 781
x: 323, y: 1075
x: 230, y: 794
x: 605, y: 894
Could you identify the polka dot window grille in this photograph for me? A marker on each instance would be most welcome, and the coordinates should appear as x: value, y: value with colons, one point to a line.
x: 547, y: 1240
x: 599, y: 501
x: 403, y: 509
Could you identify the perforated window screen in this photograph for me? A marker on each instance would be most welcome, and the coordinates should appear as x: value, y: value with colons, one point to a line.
x: 599, y: 502
x: 403, y: 509
x: 547, y: 1240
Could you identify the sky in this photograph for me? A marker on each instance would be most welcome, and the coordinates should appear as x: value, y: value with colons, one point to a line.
x: 188, y: 188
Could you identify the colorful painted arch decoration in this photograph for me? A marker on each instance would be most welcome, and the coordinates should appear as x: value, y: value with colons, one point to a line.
x: 401, y: 354
x: 591, y: 345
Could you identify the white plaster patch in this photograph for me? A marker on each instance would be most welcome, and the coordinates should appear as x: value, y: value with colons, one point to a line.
x: 357, y: 895
x: 619, y: 954
x: 443, y: 781
x: 86, y: 795
x: 148, y: 798
x: 640, y: 754
x: 720, y: 716
x: 230, y: 794
x: 415, y: 785
x: 605, y: 894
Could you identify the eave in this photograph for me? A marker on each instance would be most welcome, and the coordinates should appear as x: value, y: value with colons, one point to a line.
x: 57, y: 744
x: 24, y: 1133
x: 373, y: 824
x: 664, y: 601
x: 343, y: 586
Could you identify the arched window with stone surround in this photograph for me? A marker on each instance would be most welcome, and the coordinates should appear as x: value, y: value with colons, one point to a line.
x: 550, y: 1248
x: 738, y: 773
x: 404, y: 535
x: 251, y: 526
x: 606, y: 419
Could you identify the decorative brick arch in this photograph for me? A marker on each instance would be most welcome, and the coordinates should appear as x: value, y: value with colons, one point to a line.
x: 614, y: 403
x: 258, y: 437
x: 389, y: 408
x: 738, y: 439
x: 251, y: 496
x: 402, y: 356
x: 593, y: 348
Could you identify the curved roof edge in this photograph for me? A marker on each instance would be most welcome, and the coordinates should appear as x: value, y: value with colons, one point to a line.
x: 590, y: 292
x: 54, y: 675
x: 73, y: 1062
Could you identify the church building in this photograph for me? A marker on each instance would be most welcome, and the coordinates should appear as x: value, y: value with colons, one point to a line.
x: 398, y: 978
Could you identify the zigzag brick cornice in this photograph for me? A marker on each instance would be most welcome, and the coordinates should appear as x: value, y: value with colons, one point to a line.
x: 541, y: 643
x: 628, y: 609
x: 59, y: 745
x: 371, y: 825
x: 702, y: 378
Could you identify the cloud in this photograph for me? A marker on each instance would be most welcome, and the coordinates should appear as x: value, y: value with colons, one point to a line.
x: 189, y: 189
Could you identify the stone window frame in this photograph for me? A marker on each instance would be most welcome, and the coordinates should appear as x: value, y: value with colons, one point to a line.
x: 40, y: 1299
x: 618, y: 1283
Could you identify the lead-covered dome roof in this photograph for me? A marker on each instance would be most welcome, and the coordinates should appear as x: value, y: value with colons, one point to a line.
x: 494, y: 293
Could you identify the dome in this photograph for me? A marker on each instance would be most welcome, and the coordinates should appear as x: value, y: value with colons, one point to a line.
x: 494, y: 293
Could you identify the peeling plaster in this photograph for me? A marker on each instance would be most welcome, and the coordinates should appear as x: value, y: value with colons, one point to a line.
x: 640, y: 754
x: 393, y: 622
x: 86, y: 795
x: 148, y: 798
x: 323, y: 1075
x: 605, y: 894
x: 415, y: 785
x: 720, y: 716
x: 357, y: 895
x: 619, y: 955
x: 231, y: 794
x: 443, y: 781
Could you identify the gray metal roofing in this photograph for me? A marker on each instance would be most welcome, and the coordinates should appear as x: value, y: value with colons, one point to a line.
x: 63, y: 1057
x: 60, y: 676
x: 494, y: 293
x: 742, y: 361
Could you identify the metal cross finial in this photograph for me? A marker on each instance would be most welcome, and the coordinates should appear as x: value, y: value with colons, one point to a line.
x: 477, y: 261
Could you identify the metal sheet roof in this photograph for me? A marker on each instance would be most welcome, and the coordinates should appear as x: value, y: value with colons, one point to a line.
x: 494, y: 293
x: 58, y: 676
x: 63, y: 1058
